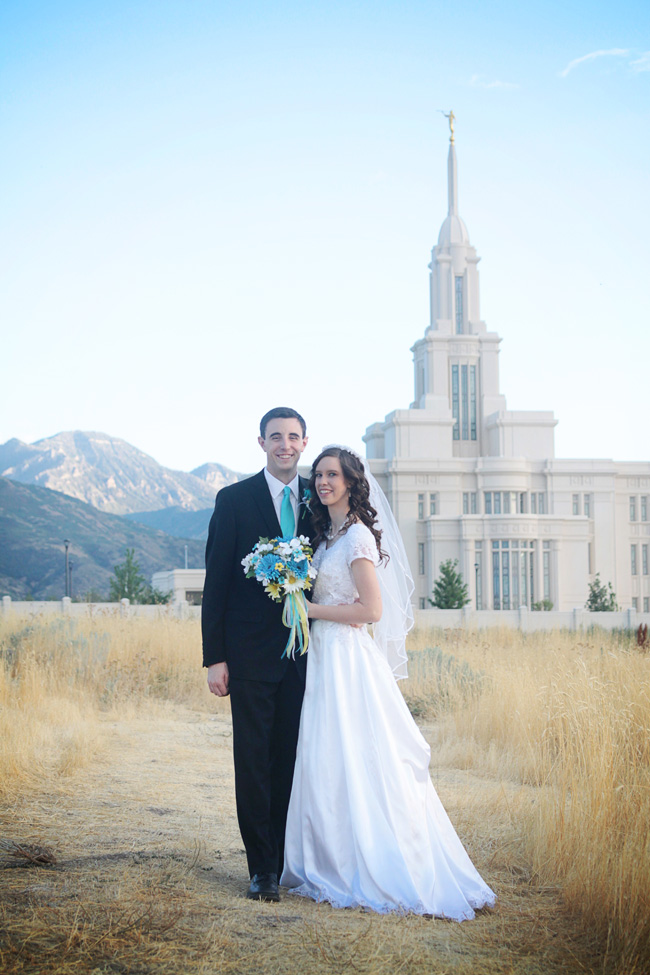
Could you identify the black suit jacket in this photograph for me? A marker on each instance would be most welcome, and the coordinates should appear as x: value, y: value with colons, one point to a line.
x: 240, y: 623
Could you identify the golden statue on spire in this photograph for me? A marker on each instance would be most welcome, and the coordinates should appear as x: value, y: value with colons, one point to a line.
x: 450, y: 115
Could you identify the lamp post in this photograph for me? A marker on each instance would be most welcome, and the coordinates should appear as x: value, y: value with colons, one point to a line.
x: 66, y: 542
x: 70, y: 579
x: 476, y: 581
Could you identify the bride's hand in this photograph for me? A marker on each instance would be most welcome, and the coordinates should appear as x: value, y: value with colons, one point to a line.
x: 357, y: 626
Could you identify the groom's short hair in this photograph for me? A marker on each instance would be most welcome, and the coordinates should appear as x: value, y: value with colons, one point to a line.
x: 281, y: 413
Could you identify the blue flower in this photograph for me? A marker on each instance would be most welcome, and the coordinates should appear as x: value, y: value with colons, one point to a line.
x: 266, y: 567
x: 299, y: 568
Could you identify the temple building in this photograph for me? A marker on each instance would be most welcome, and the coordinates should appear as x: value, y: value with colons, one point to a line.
x: 469, y: 479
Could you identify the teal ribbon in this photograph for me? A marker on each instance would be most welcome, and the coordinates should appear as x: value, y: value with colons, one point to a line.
x: 294, y: 615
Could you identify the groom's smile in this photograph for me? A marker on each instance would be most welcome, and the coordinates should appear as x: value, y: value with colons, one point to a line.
x: 283, y: 443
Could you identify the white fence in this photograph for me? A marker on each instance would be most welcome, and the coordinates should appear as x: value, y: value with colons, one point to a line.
x: 524, y: 619
x: 65, y: 607
x: 520, y: 619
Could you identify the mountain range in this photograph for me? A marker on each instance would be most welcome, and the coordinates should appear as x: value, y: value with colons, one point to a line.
x: 116, y: 477
x: 110, y: 473
x: 34, y: 521
x: 105, y: 495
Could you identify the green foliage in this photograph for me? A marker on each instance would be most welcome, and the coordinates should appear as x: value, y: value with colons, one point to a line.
x: 92, y: 595
x: 543, y: 605
x: 155, y: 596
x: 128, y: 582
x: 449, y: 591
x: 602, y: 598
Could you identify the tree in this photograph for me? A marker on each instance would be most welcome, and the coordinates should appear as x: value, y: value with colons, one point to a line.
x: 449, y: 591
x: 129, y: 581
x: 602, y: 598
x: 155, y: 596
x: 92, y: 595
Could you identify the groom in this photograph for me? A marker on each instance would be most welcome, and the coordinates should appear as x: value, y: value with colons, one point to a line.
x: 243, y: 641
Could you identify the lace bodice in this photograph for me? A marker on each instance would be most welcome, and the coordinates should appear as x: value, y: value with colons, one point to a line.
x: 334, y: 583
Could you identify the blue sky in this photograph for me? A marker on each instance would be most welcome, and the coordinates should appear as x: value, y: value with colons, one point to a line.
x: 212, y: 208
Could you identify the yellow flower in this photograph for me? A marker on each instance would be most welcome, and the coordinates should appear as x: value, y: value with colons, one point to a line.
x: 274, y: 589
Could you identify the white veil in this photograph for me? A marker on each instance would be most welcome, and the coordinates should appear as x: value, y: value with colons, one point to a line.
x: 395, y: 580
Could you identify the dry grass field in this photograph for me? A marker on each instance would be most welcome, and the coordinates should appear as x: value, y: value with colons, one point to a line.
x: 116, y: 762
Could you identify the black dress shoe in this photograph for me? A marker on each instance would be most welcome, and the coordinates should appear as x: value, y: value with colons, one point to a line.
x: 264, y: 887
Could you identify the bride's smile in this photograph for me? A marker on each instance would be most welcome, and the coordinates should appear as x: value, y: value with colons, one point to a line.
x: 330, y: 484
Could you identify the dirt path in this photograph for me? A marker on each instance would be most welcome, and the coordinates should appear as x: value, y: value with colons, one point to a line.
x: 151, y: 875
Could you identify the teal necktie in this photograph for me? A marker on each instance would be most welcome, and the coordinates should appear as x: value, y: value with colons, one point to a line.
x: 287, y: 520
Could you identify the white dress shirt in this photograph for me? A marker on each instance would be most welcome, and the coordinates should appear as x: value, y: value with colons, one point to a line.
x: 277, y: 491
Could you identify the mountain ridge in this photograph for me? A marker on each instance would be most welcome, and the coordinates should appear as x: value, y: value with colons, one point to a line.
x: 110, y: 473
x: 175, y: 521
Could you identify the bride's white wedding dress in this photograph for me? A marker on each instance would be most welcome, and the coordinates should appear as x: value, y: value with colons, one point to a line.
x: 365, y: 826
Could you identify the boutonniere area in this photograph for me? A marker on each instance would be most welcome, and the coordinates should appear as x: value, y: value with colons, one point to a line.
x: 306, y: 499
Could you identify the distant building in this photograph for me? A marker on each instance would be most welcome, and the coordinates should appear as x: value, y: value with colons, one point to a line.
x: 186, y: 585
x: 469, y: 479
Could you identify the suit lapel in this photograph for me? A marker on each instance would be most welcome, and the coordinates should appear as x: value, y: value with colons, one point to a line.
x: 264, y: 502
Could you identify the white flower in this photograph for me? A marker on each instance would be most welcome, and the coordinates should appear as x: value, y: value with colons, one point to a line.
x: 293, y: 584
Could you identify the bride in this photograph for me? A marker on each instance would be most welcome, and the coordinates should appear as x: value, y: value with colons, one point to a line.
x: 365, y: 826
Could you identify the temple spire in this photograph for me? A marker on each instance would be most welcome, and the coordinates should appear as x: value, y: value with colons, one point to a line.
x: 452, y: 180
x: 453, y: 230
x: 452, y: 168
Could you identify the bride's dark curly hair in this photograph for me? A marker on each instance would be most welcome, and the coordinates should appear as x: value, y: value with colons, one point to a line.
x: 359, y: 498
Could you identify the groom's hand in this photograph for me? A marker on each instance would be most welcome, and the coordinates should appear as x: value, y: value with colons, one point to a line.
x: 218, y: 678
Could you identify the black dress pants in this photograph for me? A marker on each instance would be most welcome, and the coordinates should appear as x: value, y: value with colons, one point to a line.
x: 265, y: 722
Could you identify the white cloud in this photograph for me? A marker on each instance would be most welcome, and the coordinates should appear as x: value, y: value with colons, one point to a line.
x: 614, y: 52
x: 642, y: 63
x: 477, y: 82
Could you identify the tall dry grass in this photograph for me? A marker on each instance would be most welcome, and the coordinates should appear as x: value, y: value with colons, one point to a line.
x: 58, y: 675
x: 567, y: 716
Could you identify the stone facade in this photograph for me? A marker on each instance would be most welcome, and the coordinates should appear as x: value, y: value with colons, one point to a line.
x: 469, y: 479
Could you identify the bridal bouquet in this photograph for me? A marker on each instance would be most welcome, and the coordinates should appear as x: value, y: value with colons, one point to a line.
x: 283, y: 566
